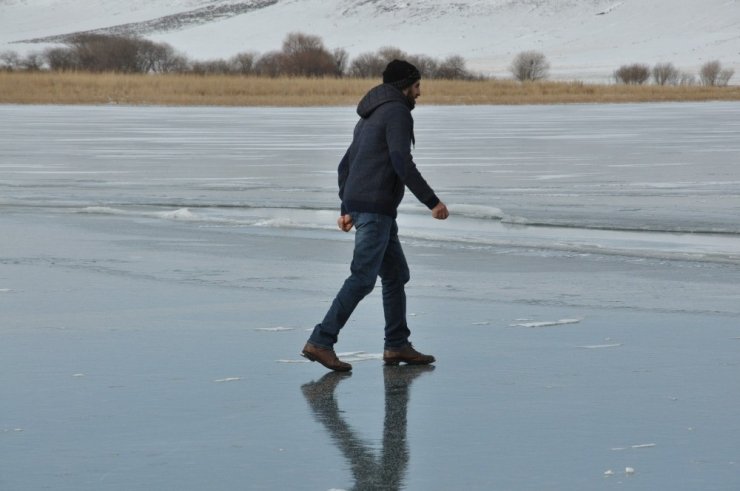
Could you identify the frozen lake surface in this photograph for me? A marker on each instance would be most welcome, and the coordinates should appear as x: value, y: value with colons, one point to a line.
x: 584, y: 173
x: 159, y: 268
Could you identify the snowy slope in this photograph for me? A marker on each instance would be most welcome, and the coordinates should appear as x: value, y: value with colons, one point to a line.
x: 584, y: 39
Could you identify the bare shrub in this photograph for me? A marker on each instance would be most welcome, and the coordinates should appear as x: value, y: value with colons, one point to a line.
x: 305, y: 55
x: 61, y: 59
x: 686, y: 79
x: 211, y: 67
x: 102, y: 53
x: 32, y: 62
x: 367, y: 65
x: 159, y: 58
x: 665, y: 74
x: 428, y: 66
x: 341, y: 61
x: 390, y: 53
x: 725, y: 76
x: 530, y: 66
x: 9, y: 60
x: 635, y: 74
x: 270, y: 64
x: 244, y: 63
x: 371, y: 65
x: 709, y: 73
x: 124, y: 54
x: 452, y: 68
x: 712, y: 74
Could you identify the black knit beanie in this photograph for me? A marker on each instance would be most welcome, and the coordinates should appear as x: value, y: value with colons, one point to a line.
x: 401, y: 74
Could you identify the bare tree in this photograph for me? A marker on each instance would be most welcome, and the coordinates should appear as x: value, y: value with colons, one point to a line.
x: 712, y: 74
x: 270, y: 64
x: 427, y: 65
x: 100, y: 53
x: 665, y: 74
x: 244, y: 63
x: 725, y: 76
x: 452, y: 68
x: 530, y: 66
x: 173, y: 62
x: 390, y: 53
x: 372, y: 65
x: 32, y: 62
x: 686, y: 79
x: 635, y: 74
x: 298, y: 42
x: 9, y: 60
x: 305, y: 55
x: 211, y: 67
x: 60, y: 59
x: 367, y: 65
x: 103, y: 53
x: 341, y: 61
x: 709, y: 73
x: 159, y: 58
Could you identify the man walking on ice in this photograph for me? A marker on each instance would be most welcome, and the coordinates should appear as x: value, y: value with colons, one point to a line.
x: 373, y: 174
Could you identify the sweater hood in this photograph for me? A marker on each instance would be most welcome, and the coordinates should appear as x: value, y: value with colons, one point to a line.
x: 377, y: 96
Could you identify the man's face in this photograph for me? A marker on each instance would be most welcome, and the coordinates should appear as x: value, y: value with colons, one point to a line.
x: 413, y: 92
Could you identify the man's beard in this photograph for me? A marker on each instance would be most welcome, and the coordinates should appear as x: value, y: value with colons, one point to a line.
x: 412, y: 102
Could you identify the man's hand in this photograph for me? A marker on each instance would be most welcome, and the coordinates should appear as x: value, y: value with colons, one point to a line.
x: 440, y: 211
x: 344, y: 223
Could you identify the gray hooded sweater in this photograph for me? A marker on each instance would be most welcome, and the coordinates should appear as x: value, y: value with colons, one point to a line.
x: 378, y: 164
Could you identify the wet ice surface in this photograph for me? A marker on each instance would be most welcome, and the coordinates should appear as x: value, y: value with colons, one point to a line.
x: 160, y: 267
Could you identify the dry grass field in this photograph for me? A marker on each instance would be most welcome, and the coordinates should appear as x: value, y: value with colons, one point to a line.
x: 215, y: 90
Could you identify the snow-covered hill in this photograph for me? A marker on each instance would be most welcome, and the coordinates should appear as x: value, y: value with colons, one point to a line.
x: 583, y: 39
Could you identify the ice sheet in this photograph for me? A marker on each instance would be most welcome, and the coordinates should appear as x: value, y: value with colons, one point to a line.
x: 151, y: 324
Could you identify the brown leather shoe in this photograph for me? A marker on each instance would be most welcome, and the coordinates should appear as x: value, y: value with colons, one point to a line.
x: 326, y: 357
x: 408, y: 355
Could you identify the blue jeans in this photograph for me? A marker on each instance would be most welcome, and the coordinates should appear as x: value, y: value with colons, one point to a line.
x: 377, y: 253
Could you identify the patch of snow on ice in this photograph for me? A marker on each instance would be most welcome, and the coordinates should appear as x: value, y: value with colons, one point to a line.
x: 359, y: 356
x: 274, y: 329
x: 600, y: 346
x: 560, y: 322
x: 477, y: 211
x: 181, y: 214
x: 638, y: 446
x: 227, y: 379
x: 103, y: 210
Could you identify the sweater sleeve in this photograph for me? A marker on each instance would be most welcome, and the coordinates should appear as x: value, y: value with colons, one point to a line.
x: 342, y: 173
x: 398, y: 136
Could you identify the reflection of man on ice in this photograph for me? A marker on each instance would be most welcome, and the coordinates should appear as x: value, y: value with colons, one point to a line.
x: 385, y: 471
x: 372, y: 177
